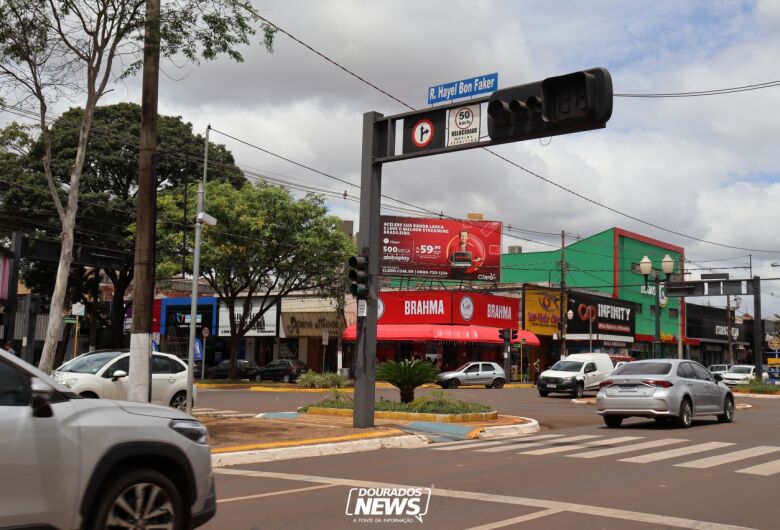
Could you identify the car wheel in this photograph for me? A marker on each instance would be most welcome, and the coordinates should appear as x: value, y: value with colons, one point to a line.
x: 140, y: 498
x: 454, y: 383
x: 286, y: 378
x: 685, y: 419
x: 579, y: 391
x: 613, y: 422
x: 498, y: 383
x: 728, y: 411
x: 89, y: 395
x: 179, y: 400
x: 543, y: 393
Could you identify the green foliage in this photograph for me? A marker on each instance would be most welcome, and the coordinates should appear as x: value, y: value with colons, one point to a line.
x: 758, y: 388
x: 312, y: 379
x: 407, y: 375
x: 431, y: 406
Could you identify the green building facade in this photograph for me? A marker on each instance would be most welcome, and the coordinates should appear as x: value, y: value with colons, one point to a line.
x: 607, y: 263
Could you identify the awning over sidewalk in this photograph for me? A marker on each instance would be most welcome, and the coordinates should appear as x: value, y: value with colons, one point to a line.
x: 442, y: 332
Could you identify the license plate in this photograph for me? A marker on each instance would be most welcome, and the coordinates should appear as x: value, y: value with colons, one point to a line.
x: 551, y: 386
x: 626, y: 388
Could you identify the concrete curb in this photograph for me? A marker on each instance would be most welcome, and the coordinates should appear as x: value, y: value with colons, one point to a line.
x: 305, y: 451
x: 409, y: 416
x: 760, y: 396
x: 503, y: 431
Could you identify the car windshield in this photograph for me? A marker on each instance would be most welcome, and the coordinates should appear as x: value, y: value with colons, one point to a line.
x: 88, y: 364
x: 567, y: 366
x: 739, y: 370
x: 640, y: 368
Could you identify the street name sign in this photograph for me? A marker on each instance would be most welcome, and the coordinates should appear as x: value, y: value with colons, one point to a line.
x: 464, y: 88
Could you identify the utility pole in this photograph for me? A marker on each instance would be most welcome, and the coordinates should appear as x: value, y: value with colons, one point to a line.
x: 143, y: 283
x: 563, y: 293
x: 728, y: 330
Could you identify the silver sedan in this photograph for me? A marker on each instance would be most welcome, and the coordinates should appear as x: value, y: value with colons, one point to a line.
x: 663, y: 389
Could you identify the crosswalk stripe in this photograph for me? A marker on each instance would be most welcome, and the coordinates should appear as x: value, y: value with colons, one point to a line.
x: 521, y: 444
x: 628, y: 448
x: 726, y: 458
x: 453, y: 446
x: 673, y: 453
x: 202, y: 410
x: 765, y: 469
x: 587, y: 444
x: 564, y: 446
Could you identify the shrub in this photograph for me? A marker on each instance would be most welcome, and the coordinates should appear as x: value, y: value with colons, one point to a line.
x: 429, y: 406
x: 758, y: 388
x: 312, y: 379
x: 407, y: 375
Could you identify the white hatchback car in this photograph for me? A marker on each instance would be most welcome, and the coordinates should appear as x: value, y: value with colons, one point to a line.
x: 104, y: 374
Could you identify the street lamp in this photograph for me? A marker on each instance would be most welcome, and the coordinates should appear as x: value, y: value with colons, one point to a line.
x: 646, y: 267
x: 570, y: 316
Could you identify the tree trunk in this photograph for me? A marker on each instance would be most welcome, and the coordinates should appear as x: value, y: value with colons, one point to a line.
x: 54, y: 328
x: 117, y: 318
x: 235, y: 344
x: 62, y: 347
x: 407, y: 396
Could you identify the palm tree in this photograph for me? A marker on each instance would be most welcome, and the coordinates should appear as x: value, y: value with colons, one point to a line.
x: 407, y: 375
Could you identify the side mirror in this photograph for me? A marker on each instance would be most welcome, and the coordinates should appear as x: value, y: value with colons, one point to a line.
x: 717, y: 377
x: 118, y: 374
x: 41, y: 399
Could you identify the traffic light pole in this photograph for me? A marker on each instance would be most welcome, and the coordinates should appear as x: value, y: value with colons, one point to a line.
x: 368, y: 245
x: 507, y: 356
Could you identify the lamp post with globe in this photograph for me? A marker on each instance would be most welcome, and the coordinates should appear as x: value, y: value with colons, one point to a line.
x: 646, y: 267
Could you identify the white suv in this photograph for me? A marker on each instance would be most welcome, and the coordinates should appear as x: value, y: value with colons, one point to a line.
x: 69, y: 462
x: 104, y: 374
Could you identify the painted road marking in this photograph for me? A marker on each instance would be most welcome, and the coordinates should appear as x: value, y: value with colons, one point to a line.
x: 520, y: 444
x: 674, y: 453
x: 454, y: 446
x: 563, y: 446
x: 271, y: 494
x: 718, y: 460
x: 765, y: 469
x: 515, y: 520
x: 584, y: 509
x: 628, y: 448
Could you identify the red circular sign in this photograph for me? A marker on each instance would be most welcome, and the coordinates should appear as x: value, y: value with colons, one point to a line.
x: 422, y: 133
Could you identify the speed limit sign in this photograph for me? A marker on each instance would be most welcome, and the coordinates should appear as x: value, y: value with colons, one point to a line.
x: 464, y: 125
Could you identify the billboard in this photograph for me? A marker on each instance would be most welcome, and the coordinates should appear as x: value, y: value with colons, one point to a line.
x: 541, y: 310
x: 610, y: 319
x: 485, y: 310
x: 440, y: 248
x: 416, y: 307
x: 264, y: 327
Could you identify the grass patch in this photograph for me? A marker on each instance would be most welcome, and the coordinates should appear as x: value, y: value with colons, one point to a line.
x: 434, y: 403
x: 754, y: 387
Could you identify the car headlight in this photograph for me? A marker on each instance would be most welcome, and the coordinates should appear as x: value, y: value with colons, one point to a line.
x: 570, y: 378
x: 68, y: 382
x: 193, y: 430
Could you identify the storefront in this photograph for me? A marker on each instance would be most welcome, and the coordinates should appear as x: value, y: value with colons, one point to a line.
x: 309, y: 327
x: 175, y: 318
x: 708, y: 329
x: 446, y: 327
x: 599, y: 324
x: 258, y: 342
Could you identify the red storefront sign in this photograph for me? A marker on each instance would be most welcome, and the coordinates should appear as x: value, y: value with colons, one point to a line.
x: 485, y: 310
x: 440, y: 248
x: 447, y: 307
x: 415, y: 307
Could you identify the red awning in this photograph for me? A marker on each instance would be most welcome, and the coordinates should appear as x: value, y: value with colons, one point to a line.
x: 442, y: 332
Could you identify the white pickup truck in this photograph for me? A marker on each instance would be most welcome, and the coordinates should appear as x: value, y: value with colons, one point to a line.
x: 742, y: 374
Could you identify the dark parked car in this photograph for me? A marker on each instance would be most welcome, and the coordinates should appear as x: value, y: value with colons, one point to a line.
x: 244, y: 370
x: 285, y: 370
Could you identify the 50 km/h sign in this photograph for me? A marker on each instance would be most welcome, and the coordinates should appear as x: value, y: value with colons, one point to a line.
x: 464, y: 125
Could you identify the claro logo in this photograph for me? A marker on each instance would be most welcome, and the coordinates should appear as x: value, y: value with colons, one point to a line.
x: 388, y: 505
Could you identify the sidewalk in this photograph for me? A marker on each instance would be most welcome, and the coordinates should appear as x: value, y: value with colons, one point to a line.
x: 282, y: 436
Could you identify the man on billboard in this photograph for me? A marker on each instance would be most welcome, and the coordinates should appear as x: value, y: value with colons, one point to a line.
x: 466, y: 252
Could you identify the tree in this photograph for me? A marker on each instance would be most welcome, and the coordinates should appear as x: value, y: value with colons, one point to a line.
x: 407, y: 375
x: 62, y: 48
x: 266, y: 244
x: 108, y: 186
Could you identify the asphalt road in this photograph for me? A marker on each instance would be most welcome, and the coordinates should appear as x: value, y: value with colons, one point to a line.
x: 575, y: 474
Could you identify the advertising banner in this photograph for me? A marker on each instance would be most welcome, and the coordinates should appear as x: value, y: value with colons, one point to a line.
x: 264, y: 327
x: 610, y: 319
x: 414, y: 307
x: 541, y: 310
x: 440, y: 248
x: 485, y: 310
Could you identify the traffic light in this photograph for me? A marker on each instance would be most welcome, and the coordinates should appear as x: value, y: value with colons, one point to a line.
x: 514, y: 334
x: 358, y: 275
x: 558, y: 105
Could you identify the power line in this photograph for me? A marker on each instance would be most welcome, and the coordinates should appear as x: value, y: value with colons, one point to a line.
x: 697, y: 93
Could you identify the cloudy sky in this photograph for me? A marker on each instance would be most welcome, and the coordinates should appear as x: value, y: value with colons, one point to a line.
x: 706, y: 167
